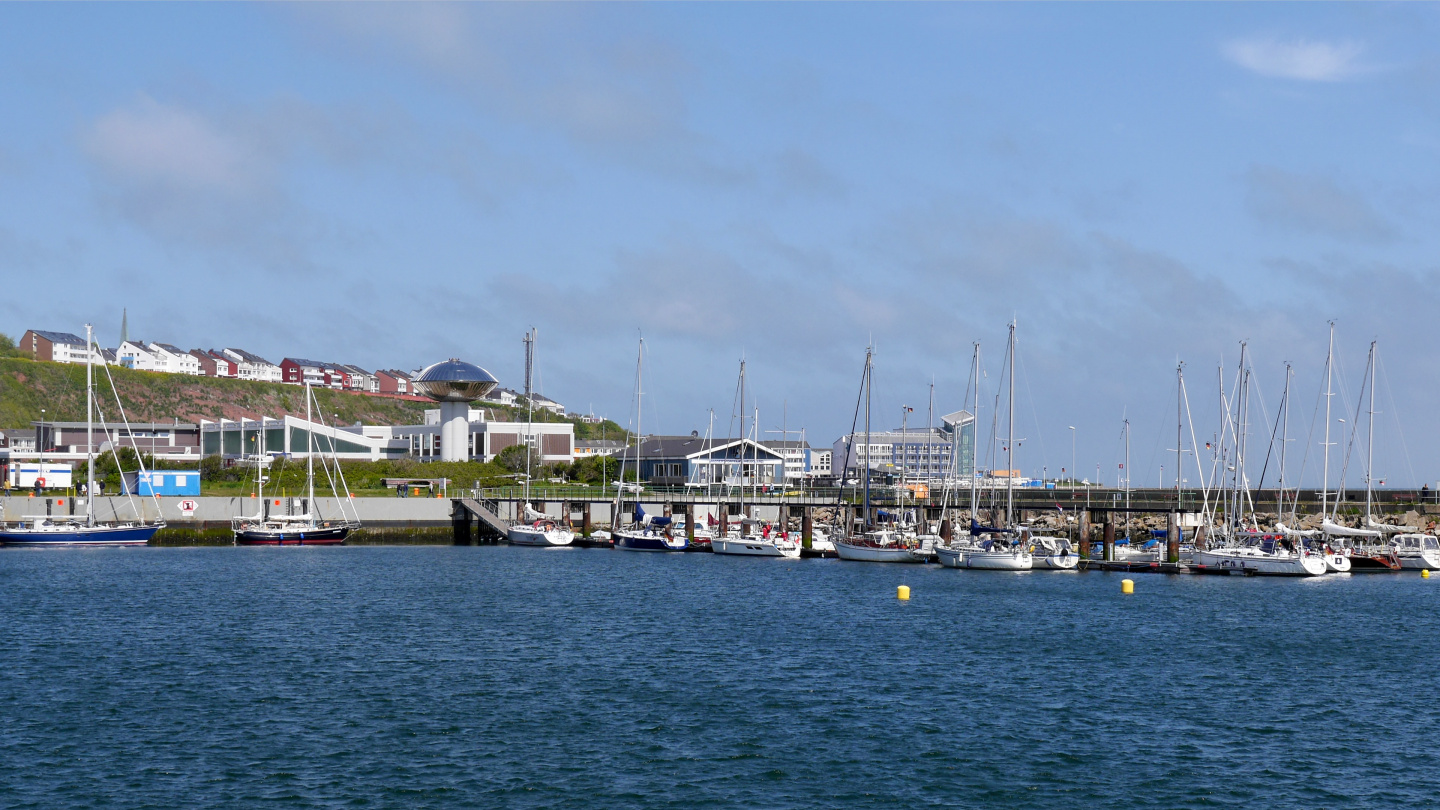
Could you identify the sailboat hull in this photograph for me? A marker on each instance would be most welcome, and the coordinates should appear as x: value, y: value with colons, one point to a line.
x: 646, y: 541
x: 77, y: 536
x: 331, y: 536
x: 1241, y: 562
x: 1337, y: 564
x: 531, y: 536
x: 1419, y: 560
x: 1056, y: 562
x: 982, y: 560
x: 863, y: 553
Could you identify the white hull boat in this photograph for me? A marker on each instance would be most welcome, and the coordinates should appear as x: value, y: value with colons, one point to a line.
x: 547, y: 536
x: 1417, y: 552
x: 1245, y: 559
x: 867, y: 552
x: 1056, y: 562
x: 755, y: 546
x: 1337, y: 563
x: 986, y: 560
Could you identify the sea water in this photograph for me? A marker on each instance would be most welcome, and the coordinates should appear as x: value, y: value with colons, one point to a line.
x: 519, y: 677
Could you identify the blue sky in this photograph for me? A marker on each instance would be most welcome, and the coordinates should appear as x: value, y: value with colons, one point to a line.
x: 391, y: 185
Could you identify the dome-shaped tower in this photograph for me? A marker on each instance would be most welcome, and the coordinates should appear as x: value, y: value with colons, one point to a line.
x: 455, y: 384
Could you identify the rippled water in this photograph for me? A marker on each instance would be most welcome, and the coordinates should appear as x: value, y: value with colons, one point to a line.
x: 511, y: 677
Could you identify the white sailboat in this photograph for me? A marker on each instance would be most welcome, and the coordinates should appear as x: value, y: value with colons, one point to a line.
x: 870, y: 544
x: 752, y: 538
x: 992, y: 548
x: 1245, y: 550
x: 646, y: 532
x: 535, y: 528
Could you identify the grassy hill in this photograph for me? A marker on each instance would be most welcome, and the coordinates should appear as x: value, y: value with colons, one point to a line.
x: 27, y: 385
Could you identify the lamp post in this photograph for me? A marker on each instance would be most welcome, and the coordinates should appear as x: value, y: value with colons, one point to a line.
x: 1072, y: 457
x: 40, y: 444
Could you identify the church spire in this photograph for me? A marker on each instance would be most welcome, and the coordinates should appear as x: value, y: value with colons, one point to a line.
x: 124, y: 325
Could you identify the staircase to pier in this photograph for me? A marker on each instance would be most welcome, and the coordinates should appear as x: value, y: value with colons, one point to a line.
x: 485, y: 513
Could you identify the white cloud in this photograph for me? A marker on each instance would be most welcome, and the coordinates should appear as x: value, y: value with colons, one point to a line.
x: 156, y: 143
x: 1301, y: 59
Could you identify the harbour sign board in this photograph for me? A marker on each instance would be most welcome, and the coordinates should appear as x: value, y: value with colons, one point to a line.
x: 23, y: 475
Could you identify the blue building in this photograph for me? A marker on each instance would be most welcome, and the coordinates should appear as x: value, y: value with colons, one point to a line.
x: 162, y: 482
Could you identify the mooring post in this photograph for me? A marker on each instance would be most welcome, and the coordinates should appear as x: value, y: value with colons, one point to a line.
x: 807, y: 526
x: 585, y: 519
x: 724, y: 510
x: 460, y: 524
x: 1200, y: 537
x: 1109, y: 549
x: 946, y: 530
x: 690, y: 522
x: 1084, y: 534
x: 1172, y: 538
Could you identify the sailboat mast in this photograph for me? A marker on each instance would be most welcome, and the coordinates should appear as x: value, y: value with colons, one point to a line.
x: 89, y: 426
x: 1370, y: 441
x: 1127, y: 476
x: 1284, y: 440
x: 529, y: 409
x: 869, y: 370
x: 975, y: 434
x: 1329, y: 392
x: 1179, y: 431
x: 1010, y: 445
x: 639, y: 410
x: 310, y: 452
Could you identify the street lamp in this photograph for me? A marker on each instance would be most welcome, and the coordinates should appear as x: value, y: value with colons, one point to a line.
x: 1072, y: 457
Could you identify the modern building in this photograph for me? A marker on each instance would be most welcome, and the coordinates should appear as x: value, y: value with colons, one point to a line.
x: 56, y: 347
x: 797, y: 455
x: 252, y: 366
x: 163, y: 440
x: 911, y: 453
x: 820, y: 466
x: 290, y: 437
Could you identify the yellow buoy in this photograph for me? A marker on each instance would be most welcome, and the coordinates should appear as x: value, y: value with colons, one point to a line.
x: 1424, y: 573
x: 1127, y: 586
x: 903, y: 592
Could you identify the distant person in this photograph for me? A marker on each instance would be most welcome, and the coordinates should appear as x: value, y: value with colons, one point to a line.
x: 400, y: 491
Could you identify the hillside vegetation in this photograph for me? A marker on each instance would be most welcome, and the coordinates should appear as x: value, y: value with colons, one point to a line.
x: 27, y: 385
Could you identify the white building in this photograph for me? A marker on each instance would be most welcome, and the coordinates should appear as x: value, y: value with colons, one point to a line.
x: 253, y: 367
x: 173, y: 360
x: 137, y: 355
x: 58, y: 347
x: 291, y: 437
x: 911, y: 453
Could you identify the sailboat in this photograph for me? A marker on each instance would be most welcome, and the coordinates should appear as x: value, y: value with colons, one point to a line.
x: 309, y: 528
x: 62, y: 531
x: 1247, y: 550
x: 646, y: 532
x: 871, y: 544
x: 1364, y: 548
x: 752, y: 538
x: 535, y: 528
x: 991, y: 548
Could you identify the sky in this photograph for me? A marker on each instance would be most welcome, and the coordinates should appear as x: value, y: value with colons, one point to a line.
x: 1135, y: 186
